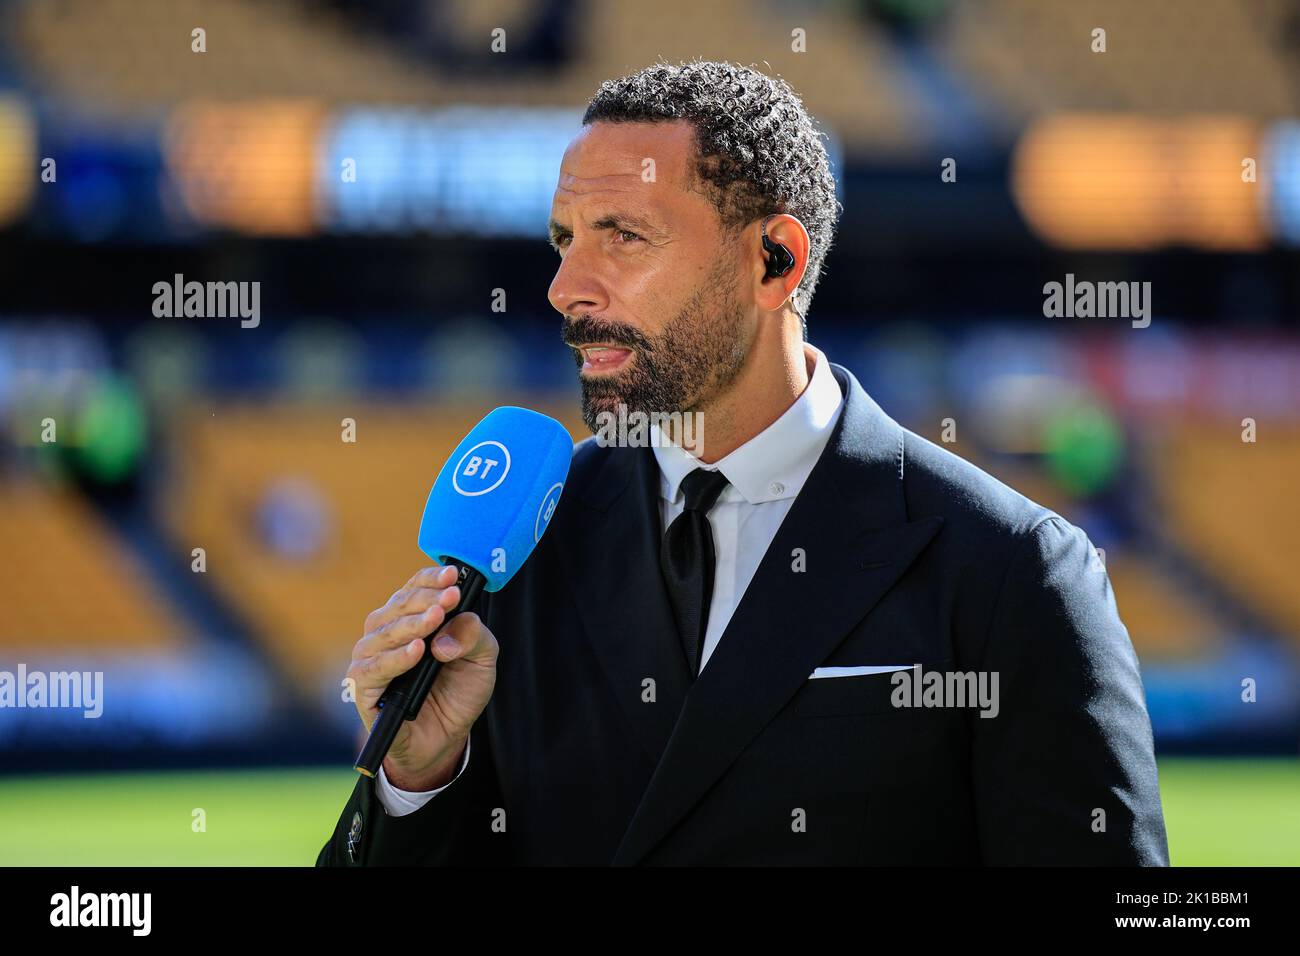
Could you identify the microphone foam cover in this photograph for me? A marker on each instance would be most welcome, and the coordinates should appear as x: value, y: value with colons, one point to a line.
x: 495, y: 495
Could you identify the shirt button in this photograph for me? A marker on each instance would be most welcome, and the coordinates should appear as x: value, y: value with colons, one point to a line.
x: 777, y: 487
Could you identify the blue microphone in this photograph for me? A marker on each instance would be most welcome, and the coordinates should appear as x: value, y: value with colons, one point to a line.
x: 488, y: 508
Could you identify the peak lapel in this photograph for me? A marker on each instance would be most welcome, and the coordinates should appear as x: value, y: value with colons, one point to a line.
x: 850, y: 522
x: 627, y: 618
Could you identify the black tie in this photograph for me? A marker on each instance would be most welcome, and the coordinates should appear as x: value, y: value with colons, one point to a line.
x: 687, y: 558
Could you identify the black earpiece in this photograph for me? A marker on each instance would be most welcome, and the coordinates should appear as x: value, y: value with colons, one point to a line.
x: 780, y: 261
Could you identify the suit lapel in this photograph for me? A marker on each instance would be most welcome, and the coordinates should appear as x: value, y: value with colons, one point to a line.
x: 615, y: 542
x: 850, y: 521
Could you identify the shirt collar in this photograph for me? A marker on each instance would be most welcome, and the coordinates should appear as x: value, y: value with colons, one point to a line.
x: 776, y: 462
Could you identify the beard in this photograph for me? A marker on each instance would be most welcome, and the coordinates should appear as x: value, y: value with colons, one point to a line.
x: 697, y: 353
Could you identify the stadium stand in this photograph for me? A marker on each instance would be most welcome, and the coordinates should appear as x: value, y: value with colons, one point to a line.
x: 308, y: 606
x: 301, y: 50
x: 70, y: 584
x: 1160, y: 55
x: 1232, y: 505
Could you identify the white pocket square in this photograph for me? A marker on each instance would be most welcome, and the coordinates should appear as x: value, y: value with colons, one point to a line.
x: 857, y: 671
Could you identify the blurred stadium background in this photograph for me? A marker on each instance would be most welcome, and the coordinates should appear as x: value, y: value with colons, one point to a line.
x: 223, y: 687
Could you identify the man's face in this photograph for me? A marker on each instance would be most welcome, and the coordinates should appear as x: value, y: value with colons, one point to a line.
x: 649, y: 282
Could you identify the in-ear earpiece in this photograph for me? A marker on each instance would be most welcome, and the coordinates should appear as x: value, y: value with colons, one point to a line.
x: 780, y: 261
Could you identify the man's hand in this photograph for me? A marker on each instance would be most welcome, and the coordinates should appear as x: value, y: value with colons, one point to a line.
x: 427, y: 750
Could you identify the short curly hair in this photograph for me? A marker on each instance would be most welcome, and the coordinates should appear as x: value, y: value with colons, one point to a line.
x: 757, y: 149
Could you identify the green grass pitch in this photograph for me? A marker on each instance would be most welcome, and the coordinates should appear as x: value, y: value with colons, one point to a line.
x: 1218, y: 812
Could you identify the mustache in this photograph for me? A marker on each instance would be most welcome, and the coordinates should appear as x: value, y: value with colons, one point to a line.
x: 585, y: 330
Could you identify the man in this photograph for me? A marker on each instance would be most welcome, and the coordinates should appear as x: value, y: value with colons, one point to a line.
x: 727, y: 658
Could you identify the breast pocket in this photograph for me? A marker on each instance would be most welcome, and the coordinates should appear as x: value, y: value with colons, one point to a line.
x: 842, y: 696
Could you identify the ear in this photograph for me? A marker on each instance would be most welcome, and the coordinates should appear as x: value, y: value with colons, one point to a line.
x: 772, y: 293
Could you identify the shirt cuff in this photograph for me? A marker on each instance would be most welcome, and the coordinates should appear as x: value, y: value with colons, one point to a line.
x: 399, y: 803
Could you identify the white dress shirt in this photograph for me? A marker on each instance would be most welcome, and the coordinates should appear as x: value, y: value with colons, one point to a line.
x: 764, y: 474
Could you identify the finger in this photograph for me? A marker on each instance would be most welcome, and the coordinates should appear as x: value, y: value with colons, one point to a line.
x: 373, y: 674
x: 414, y: 578
x: 418, y: 600
x: 403, y: 629
x: 437, y: 576
x: 404, y: 603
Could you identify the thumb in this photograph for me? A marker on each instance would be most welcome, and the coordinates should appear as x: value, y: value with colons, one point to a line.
x: 462, y: 637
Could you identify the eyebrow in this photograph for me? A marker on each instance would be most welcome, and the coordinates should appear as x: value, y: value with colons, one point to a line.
x: 617, y: 220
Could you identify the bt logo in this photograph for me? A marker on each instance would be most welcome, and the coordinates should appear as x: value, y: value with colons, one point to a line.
x: 481, y: 469
x: 546, y: 509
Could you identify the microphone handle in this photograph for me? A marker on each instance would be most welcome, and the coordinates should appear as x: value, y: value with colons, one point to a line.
x: 404, y: 697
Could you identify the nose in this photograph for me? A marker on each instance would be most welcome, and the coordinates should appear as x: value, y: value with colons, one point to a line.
x: 575, y: 289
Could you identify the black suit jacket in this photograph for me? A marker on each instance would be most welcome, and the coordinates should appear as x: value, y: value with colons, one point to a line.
x: 597, y: 749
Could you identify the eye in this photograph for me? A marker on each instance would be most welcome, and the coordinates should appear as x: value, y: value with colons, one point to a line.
x: 627, y: 235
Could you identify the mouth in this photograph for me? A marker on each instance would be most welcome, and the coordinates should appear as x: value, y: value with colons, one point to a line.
x: 602, y: 359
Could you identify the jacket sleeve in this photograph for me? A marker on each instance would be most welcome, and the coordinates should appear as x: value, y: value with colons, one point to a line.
x: 401, y: 802
x: 1065, y: 773
x: 455, y: 828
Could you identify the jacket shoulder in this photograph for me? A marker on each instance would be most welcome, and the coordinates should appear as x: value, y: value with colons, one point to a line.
x: 969, y: 499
